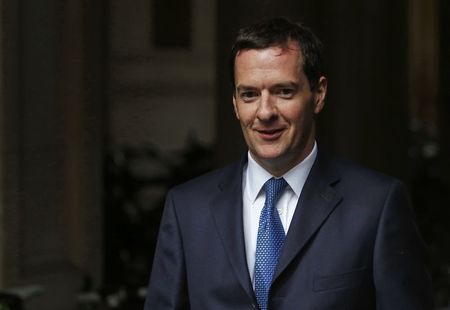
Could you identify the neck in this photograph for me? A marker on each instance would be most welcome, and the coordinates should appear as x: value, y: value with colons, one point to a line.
x: 279, y: 166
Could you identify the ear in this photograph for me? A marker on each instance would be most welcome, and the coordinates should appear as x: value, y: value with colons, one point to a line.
x: 320, y: 94
x: 235, y: 106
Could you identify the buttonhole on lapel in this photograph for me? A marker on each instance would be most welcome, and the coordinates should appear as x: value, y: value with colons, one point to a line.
x: 327, y: 194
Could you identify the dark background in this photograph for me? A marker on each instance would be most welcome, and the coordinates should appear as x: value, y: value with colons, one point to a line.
x: 106, y: 104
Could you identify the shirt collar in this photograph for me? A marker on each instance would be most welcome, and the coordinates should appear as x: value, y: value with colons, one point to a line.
x: 295, y: 177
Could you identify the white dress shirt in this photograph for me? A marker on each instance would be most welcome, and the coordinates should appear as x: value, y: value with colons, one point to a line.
x: 253, y: 180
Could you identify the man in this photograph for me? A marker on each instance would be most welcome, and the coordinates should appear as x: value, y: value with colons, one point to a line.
x: 287, y: 227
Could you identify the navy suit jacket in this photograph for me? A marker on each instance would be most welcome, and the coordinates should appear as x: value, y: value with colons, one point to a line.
x: 352, y: 244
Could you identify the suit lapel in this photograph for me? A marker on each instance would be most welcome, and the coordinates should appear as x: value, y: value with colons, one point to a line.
x: 317, y: 201
x: 226, y: 208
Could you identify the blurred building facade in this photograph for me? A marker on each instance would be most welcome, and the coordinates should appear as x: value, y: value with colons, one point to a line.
x: 52, y: 111
x: 82, y: 80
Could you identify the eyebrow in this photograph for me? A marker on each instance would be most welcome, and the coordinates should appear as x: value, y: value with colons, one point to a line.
x: 244, y: 87
x: 286, y: 84
x: 277, y: 85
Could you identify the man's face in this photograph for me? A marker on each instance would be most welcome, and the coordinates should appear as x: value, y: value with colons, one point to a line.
x: 275, y: 106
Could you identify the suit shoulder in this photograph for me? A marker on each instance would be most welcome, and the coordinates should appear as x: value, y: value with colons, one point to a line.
x: 208, y: 181
x: 366, y: 188
x: 359, y: 174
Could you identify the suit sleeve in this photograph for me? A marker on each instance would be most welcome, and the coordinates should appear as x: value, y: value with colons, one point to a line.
x: 167, y: 288
x: 400, y: 274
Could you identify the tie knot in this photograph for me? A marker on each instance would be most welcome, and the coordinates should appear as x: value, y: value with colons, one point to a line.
x: 274, y: 188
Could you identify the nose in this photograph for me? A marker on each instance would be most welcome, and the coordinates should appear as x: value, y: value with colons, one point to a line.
x: 267, y: 109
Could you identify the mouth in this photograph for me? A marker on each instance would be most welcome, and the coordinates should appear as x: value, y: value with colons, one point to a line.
x: 270, y: 134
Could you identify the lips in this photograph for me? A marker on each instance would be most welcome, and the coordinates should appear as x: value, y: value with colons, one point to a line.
x: 270, y: 134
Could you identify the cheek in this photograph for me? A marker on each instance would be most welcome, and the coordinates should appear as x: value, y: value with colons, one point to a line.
x: 302, y: 112
x: 295, y: 115
x: 300, y: 121
x: 245, y: 115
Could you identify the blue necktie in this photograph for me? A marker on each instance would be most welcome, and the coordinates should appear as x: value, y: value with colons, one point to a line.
x: 270, y: 240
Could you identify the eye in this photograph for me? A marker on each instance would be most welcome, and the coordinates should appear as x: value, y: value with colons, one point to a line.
x: 285, y: 92
x: 248, y: 95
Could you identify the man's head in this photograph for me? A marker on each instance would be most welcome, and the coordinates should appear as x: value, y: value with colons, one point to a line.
x: 278, y: 92
x: 279, y: 32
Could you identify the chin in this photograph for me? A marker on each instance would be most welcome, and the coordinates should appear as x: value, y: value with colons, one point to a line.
x: 268, y: 154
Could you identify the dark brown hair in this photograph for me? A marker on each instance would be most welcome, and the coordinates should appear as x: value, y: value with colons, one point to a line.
x: 279, y: 32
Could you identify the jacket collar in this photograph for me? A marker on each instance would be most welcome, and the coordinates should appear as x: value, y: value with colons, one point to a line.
x: 226, y: 208
x: 317, y: 201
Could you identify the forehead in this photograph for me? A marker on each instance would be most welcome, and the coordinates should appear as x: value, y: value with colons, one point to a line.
x: 282, y: 61
x: 289, y: 46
